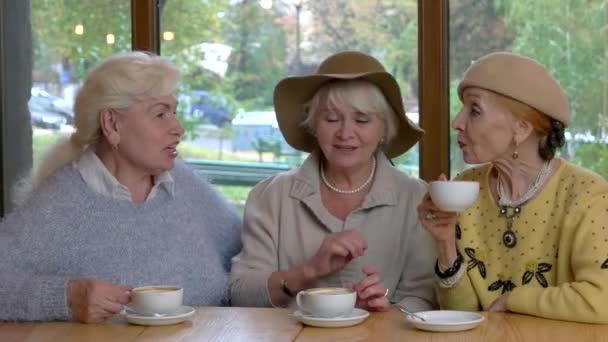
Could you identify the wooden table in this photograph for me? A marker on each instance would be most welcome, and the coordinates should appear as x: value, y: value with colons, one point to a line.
x: 266, y: 324
x: 500, y: 327
x: 207, y: 324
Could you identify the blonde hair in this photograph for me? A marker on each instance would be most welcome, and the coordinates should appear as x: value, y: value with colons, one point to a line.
x: 116, y: 83
x: 362, y: 95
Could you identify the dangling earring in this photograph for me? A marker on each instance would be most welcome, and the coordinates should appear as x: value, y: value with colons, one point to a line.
x: 515, y: 154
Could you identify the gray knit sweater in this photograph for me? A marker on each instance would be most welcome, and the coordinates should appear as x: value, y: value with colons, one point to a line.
x: 65, y: 230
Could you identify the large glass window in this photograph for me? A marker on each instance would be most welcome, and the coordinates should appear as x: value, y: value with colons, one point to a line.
x: 233, y: 53
x: 567, y: 36
x: 69, y: 37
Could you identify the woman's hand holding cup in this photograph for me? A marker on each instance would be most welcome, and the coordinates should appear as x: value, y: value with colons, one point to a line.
x: 438, y: 212
x: 94, y: 301
x: 440, y: 223
x: 371, y: 294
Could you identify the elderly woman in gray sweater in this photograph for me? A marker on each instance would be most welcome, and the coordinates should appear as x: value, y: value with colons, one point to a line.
x: 110, y: 208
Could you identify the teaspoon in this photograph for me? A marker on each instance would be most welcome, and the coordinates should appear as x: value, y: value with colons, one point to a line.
x: 412, y: 314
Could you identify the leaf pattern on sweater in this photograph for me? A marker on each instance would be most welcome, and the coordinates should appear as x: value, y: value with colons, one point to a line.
x: 506, y: 285
x: 475, y: 262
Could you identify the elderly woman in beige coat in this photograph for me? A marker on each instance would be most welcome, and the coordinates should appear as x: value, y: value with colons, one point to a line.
x: 346, y: 217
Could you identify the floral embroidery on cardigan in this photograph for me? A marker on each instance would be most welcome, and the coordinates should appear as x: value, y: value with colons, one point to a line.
x: 458, y: 232
x: 506, y: 285
x: 536, y: 271
x: 502, y: 282
x: 476, y: 261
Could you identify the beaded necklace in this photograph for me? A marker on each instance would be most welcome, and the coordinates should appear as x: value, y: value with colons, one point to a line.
x: 509, y: 238
x: 353, y: 191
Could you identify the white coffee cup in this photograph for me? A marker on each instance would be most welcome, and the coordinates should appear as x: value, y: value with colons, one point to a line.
x: 453, y: 196
x: 327, y: 302
x: 156, y: 299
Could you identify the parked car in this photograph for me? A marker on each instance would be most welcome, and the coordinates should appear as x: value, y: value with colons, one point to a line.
x: 208, y: 107
x: 43, y: 118
x: 52, y: 104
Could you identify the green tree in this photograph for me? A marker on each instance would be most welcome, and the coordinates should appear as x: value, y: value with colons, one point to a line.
x: 354, y: 25
x: 259, y: 54
x: 476, y: 29
x: 56, y: 43
x: 595, y: 156
x: 193, y: 23
x: 567, y: 36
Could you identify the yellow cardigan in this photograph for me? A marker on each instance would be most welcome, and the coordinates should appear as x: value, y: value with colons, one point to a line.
x: 558, y: 268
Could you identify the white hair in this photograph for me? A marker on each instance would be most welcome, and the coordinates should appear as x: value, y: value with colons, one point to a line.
x: 362, y: 95
x: 116, y: 83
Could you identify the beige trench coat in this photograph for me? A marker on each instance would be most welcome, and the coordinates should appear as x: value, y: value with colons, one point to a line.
x: 285, y: 224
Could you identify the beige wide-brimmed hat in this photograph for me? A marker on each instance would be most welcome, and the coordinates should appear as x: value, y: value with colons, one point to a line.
x: 292, y: 93
x: 520, y: 78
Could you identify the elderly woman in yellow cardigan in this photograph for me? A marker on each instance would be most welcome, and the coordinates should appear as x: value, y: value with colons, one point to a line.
x: 536, y: 240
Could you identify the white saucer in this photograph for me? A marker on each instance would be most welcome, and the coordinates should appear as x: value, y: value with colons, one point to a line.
x: 355, y: 317
x: 446, y: 320
x: 180, y: 315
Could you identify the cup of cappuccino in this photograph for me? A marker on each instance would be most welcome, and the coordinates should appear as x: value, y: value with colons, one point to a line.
x: 156, y: 299
x: 327, y: 302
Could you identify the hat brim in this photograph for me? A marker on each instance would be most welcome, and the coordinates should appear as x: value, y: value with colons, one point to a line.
x: 292, y: 93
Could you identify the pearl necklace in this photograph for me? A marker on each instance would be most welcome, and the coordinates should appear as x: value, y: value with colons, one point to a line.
x: 353, y: 191
x: 509, y: 238
x: 534, y: 188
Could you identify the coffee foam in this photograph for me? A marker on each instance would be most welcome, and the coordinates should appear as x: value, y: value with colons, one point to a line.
x: 329, y: 291
x: 157, y: 289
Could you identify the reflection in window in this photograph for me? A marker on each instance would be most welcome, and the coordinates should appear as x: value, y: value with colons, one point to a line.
x: 566, y: 36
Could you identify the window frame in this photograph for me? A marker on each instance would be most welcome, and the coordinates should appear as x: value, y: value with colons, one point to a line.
x: 434, y: 88
x: 433, y: 73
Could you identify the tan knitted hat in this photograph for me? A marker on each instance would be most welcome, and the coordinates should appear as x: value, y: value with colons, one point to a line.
x: 292, y: 93
x: 520, y: 78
